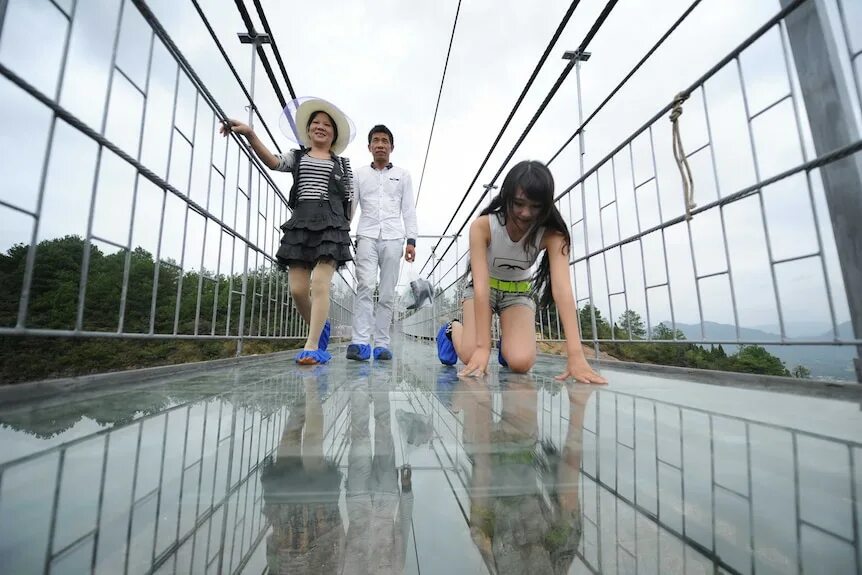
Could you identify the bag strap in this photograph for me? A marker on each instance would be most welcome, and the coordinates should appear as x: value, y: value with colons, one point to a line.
x: 294, y: 189
x: 344, y: 164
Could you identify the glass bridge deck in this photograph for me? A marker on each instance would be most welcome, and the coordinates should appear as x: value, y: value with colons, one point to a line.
x: 265, y: 466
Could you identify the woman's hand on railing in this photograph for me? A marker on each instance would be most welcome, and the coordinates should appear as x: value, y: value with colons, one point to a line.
x: 235, y: 126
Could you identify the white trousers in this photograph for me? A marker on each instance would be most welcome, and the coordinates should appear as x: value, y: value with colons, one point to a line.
x: 373, y: 255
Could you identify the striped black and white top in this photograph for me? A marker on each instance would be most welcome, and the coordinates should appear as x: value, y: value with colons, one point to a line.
x: 314, y: 176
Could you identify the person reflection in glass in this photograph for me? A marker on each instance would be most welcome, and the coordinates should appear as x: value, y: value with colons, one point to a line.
x: 379, y: 513
x: 525, y: 513
x: 301, y: 489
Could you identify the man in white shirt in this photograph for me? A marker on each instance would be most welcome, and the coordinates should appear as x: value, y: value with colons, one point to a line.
x: 388, y: 216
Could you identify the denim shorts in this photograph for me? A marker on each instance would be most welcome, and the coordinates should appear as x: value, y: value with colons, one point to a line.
x: 500, y: 300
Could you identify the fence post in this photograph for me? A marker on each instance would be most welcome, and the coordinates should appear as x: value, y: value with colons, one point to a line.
x: 829, y: 104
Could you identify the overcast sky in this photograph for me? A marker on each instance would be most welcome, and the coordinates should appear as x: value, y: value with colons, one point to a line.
x: 381, y: 62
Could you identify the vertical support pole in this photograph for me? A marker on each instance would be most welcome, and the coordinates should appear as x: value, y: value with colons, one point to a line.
x: 579, y: 56
x: 457, y: 255
x: 489, y: 188
x: 829, y: 105
x: 3, y: 5
x: 255, y: 40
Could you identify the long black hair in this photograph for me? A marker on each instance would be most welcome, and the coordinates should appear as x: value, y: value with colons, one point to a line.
x: 537, y: 183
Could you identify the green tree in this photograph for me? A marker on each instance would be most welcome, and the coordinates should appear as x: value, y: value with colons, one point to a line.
x: 755, y: 359
x: 661, y: 331
x: 184, y: 298
x: 585, y: 315
x: 801, y: 372
x: 547, y: 321
x: 631, y: 325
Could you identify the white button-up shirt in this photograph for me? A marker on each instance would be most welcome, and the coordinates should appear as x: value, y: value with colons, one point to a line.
x: 386, y: 200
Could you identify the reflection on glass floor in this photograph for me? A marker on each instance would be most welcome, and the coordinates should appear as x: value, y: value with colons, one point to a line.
x: 401, y: 466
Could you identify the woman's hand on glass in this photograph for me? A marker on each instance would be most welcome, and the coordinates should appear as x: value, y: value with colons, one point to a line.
x: 478, y: 364
x: 578, y: 369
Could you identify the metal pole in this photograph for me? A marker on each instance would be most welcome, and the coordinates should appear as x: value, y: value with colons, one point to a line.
x: 579, y: 57
x: 488, y: 191
x: 457, y: 255
x: 255, y: 40
x: 435, y: 305
x: 829, y: 104
x: 3, y: 5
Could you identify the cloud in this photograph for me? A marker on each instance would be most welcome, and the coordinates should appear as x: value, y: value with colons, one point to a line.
x: 382, y: 61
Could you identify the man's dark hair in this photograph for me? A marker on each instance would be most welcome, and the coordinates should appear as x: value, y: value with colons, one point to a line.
x: 381, y: 129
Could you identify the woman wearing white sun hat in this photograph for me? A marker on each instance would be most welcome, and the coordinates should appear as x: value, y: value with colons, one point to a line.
x: 316, y: 239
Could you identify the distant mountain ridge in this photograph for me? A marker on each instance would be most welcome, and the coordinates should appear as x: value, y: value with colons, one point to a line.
x: 798, y: 329
x: 834, y: 362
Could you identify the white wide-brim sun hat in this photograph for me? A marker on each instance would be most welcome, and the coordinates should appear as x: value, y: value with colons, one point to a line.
x: 294, y: 119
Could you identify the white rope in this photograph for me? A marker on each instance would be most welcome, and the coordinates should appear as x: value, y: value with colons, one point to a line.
x: 679, y: 156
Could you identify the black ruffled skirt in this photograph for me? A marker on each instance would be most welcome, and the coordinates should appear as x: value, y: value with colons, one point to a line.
x: 314, y: 232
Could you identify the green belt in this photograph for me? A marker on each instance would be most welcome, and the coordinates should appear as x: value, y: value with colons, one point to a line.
x: 510, y: 286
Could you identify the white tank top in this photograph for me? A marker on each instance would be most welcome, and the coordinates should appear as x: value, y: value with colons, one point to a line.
x: 508, y: 260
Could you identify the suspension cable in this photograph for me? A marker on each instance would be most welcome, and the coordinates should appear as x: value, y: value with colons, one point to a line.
x: 783, y: 13
x: 437, y: 107
x: 627, y: 77
x: 246, y: 18
x: 600, y: 20
x: 517, y: 105
x: 275, y: 50
x: 233, y: 70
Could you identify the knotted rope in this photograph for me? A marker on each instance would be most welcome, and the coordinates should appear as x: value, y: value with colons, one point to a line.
x: 679, y: 156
